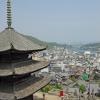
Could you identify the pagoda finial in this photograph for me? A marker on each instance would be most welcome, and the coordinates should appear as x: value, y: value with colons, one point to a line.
x: 9, y: 18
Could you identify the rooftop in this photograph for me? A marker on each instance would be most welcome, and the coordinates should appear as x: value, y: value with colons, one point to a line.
x: 10, y: 39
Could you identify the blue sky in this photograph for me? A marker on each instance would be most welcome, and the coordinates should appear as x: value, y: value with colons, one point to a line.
x: 63, y: 21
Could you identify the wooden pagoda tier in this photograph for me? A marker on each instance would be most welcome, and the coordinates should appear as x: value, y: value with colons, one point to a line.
x: 14, y: 54
x: 22, y: 67
x: 22, y: 88
x: 17, y: 68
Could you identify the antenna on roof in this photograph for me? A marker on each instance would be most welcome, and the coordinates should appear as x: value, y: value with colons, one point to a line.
x: 9, y: 18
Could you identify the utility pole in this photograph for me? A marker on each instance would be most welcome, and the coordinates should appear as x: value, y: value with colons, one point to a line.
x: 89, y: 89
x: 89, y: 84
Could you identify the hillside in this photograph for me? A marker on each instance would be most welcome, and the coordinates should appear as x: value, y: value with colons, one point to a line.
x: 49, y: 44
x: 90, y: 46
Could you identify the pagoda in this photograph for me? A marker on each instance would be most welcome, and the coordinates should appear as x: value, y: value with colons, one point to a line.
x: 18, y: 79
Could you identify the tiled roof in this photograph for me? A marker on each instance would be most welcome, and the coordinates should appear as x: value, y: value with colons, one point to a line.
x: 10, y: 39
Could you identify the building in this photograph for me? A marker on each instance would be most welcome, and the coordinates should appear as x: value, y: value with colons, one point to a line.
x: 17, y: 68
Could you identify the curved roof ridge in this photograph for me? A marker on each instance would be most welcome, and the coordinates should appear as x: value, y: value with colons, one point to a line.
x: 10, y: 38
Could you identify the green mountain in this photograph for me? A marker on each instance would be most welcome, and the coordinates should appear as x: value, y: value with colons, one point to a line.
x: 49, y: 44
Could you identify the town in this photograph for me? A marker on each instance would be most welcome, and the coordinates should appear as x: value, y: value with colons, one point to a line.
x: 77, y: 72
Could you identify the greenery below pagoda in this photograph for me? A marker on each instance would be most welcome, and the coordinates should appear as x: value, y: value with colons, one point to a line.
x: 50, y: 87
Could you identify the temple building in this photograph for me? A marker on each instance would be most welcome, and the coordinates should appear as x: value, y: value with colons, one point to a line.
x: 18, y: 79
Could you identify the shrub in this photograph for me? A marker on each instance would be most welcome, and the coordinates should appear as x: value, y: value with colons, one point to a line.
x: 82, y: 88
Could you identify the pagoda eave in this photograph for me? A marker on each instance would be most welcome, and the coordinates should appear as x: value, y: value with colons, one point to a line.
x: 4, y: 73
x: 33, y: 88
x: 12, y: 40
x: 6, y: 96
x: 7, y: 50
x: 24, y: 68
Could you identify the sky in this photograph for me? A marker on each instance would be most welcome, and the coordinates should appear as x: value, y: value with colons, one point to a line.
x: 62, y: 21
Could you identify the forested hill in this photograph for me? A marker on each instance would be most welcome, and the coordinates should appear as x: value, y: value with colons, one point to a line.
x: 49, y: 44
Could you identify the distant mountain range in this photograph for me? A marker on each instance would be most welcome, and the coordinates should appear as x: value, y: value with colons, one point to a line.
x: 91, y: 46
x: 49, y: 44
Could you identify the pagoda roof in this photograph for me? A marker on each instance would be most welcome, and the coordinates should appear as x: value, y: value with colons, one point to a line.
x: 12, y: 40
x: 24, y: 88
x: 20, y: 68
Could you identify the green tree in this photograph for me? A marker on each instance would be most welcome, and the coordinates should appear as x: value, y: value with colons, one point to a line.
x: 82, y: 88
x: 58, y: 86
x: 46, y: 89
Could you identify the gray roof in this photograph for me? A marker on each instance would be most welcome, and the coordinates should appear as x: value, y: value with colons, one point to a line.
x: 10, y: 39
